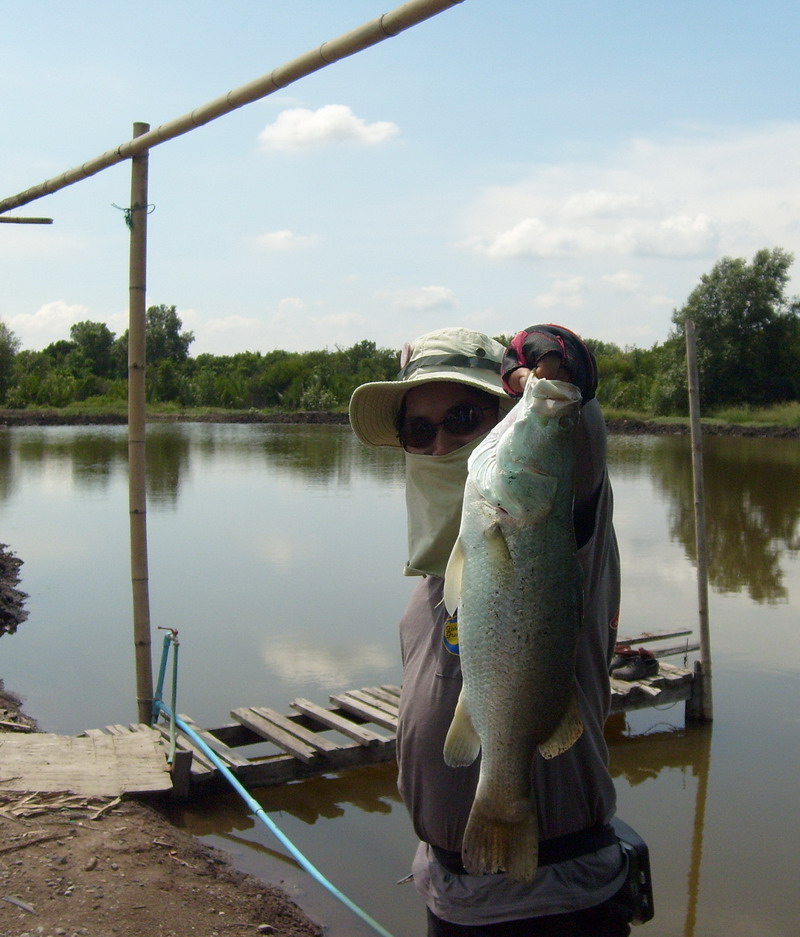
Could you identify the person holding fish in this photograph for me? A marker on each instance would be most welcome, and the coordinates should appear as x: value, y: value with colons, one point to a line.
x: 506, y: 639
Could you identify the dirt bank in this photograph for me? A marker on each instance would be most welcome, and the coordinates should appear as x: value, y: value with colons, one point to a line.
x: 104, y: 868
x: 66, y: 418
x: 621, y: 427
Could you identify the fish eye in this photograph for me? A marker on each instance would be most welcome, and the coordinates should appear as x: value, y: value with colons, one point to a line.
x: 566, y: 422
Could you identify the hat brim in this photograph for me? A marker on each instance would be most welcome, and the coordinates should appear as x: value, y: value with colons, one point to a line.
x: 374, y: 407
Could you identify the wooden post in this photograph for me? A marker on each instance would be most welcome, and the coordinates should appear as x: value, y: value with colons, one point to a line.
x: 701, y: 708
x: 137, y: 488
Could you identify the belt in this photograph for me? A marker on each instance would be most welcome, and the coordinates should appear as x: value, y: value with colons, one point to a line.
x: 557, y: 849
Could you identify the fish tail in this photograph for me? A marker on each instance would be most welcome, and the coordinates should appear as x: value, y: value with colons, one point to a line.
x: 507, y: 842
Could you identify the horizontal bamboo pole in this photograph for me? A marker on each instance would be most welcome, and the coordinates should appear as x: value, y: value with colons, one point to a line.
x: 384, y: 27
x: 17, y: 219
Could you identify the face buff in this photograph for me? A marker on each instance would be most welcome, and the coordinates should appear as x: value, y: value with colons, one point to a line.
x: 434, y: 494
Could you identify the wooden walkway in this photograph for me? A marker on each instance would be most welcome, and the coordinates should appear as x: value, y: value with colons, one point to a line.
x: 261, y: 746
x: 670, y: 685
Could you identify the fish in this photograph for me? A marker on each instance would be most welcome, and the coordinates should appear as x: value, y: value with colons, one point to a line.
x: 514, y: 582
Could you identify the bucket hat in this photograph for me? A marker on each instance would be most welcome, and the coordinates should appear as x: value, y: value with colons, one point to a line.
x: 455, y: 354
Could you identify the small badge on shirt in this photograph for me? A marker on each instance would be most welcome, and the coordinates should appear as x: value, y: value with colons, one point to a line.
x: 450, y: 634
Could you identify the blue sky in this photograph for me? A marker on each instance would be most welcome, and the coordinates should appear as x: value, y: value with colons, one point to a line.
x: 504, y: 163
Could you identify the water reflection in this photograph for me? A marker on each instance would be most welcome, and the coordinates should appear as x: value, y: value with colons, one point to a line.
x: 639, y: 758
x: 752, y: 505
x: 92, y: 456
x: 372, y: 789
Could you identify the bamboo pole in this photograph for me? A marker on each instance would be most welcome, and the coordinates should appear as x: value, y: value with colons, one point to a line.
x: 20, y: 220
x: 137, y: 489
x: 703, y: 712
x: 371, y: 33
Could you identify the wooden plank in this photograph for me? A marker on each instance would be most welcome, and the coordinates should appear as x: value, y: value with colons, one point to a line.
x: 334, y: 721
x: 96, y: 766
x: 118, y: 730
x: 648, y: 637
x: 670, y: 684
x: 392, y: 690
x: 283, y: 768
x: 637, y: 700
x: 275, y: 734
x: 376, y: 698
x: 353, y: 702
x: 314, y: 739
x: 228, y: 755
x: 675, y: 651
x: 393, y: 699
x: 200, y: 763
x: 182, y: 773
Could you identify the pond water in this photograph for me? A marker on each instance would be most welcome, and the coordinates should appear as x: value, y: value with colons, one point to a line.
x: 276, y: 551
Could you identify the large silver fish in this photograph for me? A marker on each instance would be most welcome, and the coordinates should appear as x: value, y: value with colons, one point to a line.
x: 515, y: 579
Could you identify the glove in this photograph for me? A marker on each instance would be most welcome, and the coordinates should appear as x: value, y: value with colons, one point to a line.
x: 530, y: 345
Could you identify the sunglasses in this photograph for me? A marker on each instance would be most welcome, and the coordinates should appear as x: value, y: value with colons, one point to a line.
x: 461, y: 420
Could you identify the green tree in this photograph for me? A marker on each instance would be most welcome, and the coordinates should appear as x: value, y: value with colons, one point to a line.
x: 163, y: 336
x: 748, y: 334
x: 94, y: 341
x: 9, y: 346
x: 165, y: 341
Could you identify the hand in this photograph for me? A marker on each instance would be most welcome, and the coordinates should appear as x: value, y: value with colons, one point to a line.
x: 547, y: 367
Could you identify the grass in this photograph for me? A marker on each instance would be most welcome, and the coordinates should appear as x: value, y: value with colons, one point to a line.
x: 784, y: 415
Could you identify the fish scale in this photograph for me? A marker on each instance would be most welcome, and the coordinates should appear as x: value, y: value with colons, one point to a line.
x: 515, y: 580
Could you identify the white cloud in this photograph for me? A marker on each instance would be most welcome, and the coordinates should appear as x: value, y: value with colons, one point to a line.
x: 291, y: 304
x: 339, y: 320
x: 697, y: 196
x: 597, y: 204
x: 285, y: 240
x: 231, y: 324
x: 624, y: 280
x: 564, y: 294
x: 678, y: 236
x: 422, y: 298
x: 50, y: 323
x: 332, y: 667
x: 300, y: 128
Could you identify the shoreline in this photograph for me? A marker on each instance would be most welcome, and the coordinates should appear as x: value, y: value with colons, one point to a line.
x: 79, y: 865
x: 622, y: 427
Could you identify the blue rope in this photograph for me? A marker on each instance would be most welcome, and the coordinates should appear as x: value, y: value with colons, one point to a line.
x: 175, y: 721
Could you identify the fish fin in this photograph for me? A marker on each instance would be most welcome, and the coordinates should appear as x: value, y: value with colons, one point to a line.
x: 498, y: 554
x: 462, y: 744
x: 452, y: 578
x: 497, y: 841
x: 567, y: 732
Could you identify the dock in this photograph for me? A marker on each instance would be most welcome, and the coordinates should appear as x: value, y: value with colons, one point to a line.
x: 260, y: 746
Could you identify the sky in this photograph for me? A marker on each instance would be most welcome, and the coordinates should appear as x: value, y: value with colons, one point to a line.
x: 503, y: 163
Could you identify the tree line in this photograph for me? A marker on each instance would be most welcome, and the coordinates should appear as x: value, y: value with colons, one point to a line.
x: 748, y: 333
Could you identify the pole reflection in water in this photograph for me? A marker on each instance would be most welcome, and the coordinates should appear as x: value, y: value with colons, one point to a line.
x: 638, y: 758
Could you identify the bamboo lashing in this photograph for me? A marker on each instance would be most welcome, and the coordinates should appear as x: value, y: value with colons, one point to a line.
x: 371, y: 33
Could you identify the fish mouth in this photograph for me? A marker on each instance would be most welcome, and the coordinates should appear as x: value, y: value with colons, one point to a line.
x: 533, y: 470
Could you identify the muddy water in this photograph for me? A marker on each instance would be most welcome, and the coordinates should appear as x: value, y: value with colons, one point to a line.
x: 276, y: 552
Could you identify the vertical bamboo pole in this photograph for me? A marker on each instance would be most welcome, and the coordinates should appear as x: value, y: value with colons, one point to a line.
x: 702, y: 710
x: 137, y: 489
